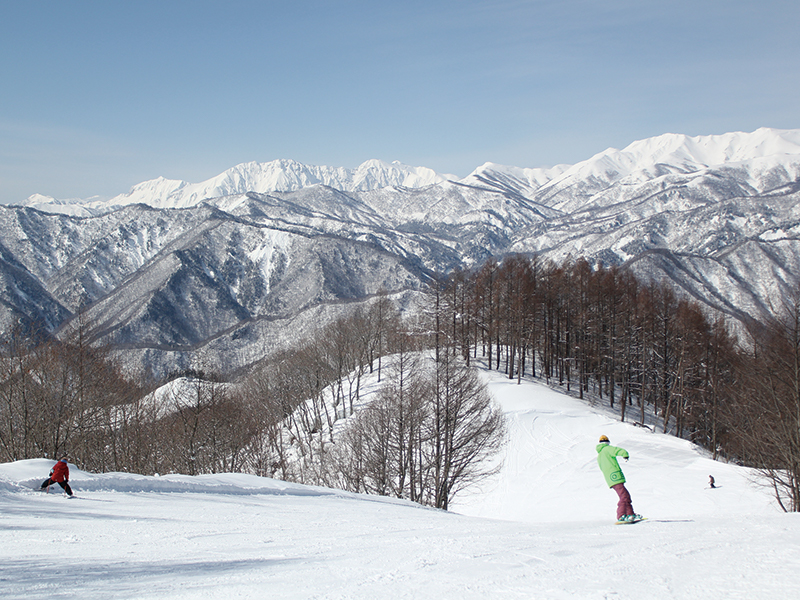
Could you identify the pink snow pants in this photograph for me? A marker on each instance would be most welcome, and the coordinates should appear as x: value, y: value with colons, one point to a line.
x: 624, y: 507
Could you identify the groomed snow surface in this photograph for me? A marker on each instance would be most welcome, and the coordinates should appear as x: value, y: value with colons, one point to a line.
x: 543, y: 528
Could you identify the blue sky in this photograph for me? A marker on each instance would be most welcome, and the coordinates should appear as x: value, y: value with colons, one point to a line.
x: 99, y: 96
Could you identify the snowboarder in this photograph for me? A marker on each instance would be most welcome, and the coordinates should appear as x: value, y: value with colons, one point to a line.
x: 607, y: 459
x: 711, y: 482
x: 59, y: 474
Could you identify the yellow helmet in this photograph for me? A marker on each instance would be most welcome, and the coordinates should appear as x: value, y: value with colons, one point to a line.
x: 603, y: 439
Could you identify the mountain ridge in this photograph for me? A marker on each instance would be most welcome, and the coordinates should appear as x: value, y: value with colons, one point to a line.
x: 685, y: 152
x: 175, y: 277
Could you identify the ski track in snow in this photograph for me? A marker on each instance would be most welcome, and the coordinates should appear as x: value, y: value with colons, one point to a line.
x: 543, y: 528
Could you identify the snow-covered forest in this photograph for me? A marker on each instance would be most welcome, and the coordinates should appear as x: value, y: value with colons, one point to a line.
x: 425, y: 429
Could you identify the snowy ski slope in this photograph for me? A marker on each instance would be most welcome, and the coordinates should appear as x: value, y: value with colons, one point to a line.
x: 542, y: 529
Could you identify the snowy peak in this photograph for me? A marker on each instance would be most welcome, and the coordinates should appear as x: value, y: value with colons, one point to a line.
x: 648, y: 159
x: 36, y: 199
x: 693, y: 153
x: 276, y: 176
x: 376, y: 174
x: 149, y: 191
x: 73, y: 207
x: 712, y: 150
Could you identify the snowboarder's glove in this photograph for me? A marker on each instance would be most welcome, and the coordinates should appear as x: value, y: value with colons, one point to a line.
x: 626, y: 459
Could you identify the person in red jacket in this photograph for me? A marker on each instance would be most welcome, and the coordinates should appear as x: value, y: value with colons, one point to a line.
x: 59, y: 474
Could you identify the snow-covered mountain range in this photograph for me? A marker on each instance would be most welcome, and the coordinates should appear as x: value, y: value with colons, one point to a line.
x: 274, y: 176
x: 230, y: 263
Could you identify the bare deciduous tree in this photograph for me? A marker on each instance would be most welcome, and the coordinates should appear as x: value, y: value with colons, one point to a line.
x: 465, y: 428
x: 766, y: 417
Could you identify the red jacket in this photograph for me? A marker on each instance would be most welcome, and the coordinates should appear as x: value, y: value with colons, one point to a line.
x: 60, y: 472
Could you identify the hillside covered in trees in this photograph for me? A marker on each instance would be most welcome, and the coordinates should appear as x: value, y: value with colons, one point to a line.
x: 430, y: 426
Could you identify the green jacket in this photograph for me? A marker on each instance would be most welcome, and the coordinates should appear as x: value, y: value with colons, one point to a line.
x: 607, y: 459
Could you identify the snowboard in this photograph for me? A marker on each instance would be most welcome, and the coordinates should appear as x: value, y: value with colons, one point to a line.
x: 630, y: 522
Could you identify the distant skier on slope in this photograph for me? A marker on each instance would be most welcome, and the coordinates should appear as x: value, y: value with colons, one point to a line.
x: 607, y: 459
x: 59, y: 474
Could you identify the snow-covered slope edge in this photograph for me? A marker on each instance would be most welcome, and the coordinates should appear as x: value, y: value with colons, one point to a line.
x: 26, y: 475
